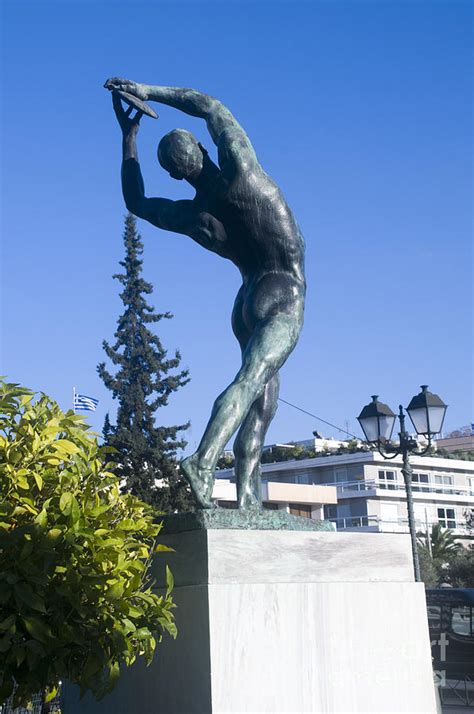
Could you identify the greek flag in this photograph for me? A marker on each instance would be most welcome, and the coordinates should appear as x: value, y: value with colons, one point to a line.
x: 88, y: 404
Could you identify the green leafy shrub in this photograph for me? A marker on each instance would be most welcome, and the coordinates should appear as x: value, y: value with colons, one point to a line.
x: 460, y: 572
x: 75, y: 592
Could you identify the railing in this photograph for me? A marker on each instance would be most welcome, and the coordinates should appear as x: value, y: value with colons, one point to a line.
x: 355, y: 522
x: 361, y: 485
x: 386, y: 524
x: 36, y: 707
x: 372, y: 484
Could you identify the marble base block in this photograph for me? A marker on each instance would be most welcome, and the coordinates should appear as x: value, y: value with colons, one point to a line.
x: 284, y: 621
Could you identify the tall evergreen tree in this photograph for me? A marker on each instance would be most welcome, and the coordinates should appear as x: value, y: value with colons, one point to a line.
x: 146, y: 454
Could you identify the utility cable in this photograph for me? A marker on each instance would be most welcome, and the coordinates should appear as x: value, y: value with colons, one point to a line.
x: 319, y: 418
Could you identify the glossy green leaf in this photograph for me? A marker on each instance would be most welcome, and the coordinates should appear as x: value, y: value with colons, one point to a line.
x: 26, y: 595
x: 66, y: 446
x: 169, y: 580
x: 115, y: 591
x: 39, y: 480
x: 42, y: 518
x: 75, y: 510
x: 38, y: 628
x: 54, y: 533
x: 65, y: 503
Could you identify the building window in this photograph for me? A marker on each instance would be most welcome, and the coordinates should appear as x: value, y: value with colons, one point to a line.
x: 330, y: 511
x: 287, y: 478
x: 388, y: 480
x: 420, y: 482
x: 443, y: 480
x: 270, y: 506
x: 471, y: 486
x: 389, y: 512
x: 303, y: 478
x: 447, y: 517
x: 299, y: 509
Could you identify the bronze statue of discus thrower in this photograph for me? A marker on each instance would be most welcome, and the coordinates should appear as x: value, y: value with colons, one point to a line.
x: 136, y: 103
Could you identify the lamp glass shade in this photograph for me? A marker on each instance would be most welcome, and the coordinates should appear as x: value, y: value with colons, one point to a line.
x: 426, y: 412
x: 386, y: 424
x: 427, y: 420
x: 370, y: 427
x: 376, y: 420
x: 436, y: 417
x: 419, y: 418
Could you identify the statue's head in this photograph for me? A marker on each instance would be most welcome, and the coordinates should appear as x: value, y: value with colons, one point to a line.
x: 180, y: 154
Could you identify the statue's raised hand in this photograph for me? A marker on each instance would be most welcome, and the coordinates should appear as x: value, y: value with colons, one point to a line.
x: 128, y: 124
x: 126, y: 85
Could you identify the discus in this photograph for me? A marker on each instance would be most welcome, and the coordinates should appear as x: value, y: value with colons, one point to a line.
x: 136, y: 103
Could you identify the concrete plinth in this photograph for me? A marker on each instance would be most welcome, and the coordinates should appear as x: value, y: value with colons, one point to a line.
x: 287, y: 621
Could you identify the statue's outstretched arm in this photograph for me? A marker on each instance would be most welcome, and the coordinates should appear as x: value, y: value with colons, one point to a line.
x: 218, y: 118
x: 225, y: 130
x: 177, y: 216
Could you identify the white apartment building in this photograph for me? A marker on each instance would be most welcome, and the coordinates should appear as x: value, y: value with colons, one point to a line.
x: 299, y: 499
x: 371, y: 492
x: 456, y: 443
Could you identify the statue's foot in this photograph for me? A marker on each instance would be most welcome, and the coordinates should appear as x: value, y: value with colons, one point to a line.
x: 249, y: 502
x: 200, y: 480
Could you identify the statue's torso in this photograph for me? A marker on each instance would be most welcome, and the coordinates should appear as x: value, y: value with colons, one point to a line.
x: 252, y: 225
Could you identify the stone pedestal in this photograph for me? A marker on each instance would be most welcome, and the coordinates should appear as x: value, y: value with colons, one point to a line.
x: 285, y: 621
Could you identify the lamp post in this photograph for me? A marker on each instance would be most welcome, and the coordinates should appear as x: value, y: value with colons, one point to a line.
x: 426, y: 412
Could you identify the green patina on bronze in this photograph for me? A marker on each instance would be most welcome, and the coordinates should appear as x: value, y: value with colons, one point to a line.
x: 241, y: 519
x: 239, y: 213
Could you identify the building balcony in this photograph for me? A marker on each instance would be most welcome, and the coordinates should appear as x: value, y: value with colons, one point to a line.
x: 274, y: 492
x: 281, y: 493
x: 386, y: 525
x: 357, y: 523
x: 376, y: 487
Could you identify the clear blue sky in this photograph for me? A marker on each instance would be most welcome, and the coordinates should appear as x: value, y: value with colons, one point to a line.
x: 361, y: 111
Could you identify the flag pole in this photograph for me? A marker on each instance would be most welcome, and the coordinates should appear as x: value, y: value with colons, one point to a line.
x: 74, y: 399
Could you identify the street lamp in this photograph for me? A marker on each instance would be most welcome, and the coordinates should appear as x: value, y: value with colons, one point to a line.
x: 426, y: 412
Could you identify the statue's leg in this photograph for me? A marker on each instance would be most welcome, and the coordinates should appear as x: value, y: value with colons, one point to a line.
x: 249, y: 443
x: 267, y: 350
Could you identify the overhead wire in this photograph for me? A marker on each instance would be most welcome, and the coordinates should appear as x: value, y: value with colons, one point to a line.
x: 334, y: 426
